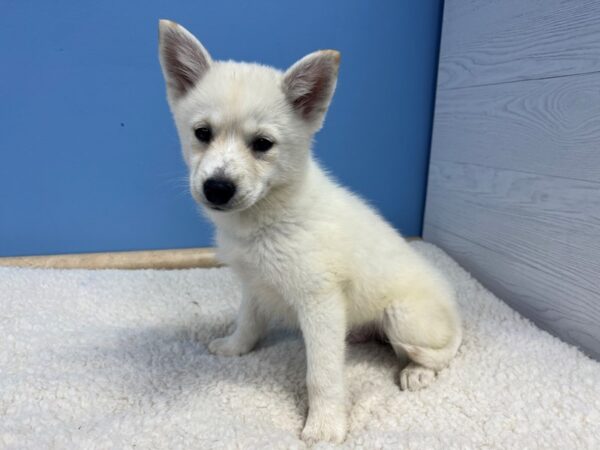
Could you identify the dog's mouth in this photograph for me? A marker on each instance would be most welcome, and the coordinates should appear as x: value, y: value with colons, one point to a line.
x: 237, y: 204
x: 201, y: 201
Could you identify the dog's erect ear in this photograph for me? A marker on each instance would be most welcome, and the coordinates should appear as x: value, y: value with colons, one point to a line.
x: 309, y: 84
x: 183, y: 58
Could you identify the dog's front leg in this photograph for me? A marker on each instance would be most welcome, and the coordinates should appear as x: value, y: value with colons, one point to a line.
x: 250, y: 327
x: 323, y: 325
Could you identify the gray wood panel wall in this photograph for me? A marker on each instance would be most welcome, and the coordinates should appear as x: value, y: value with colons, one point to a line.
x: 514, y: 179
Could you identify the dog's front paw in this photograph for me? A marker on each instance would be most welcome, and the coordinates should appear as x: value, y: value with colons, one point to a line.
x: 227, y: 346
x: 326, y: 428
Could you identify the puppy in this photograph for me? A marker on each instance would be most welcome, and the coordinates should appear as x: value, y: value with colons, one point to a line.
x: 307, y: 251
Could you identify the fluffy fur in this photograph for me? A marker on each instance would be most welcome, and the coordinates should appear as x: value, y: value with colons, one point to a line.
x: 308, y: 252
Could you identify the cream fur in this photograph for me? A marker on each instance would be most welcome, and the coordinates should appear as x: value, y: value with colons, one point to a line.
x: 308, y: 252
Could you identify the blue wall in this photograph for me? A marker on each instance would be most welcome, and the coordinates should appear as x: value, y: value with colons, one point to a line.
x: 89, y: 158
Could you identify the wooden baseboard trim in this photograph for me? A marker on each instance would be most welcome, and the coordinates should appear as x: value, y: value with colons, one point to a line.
x: 184, y: 258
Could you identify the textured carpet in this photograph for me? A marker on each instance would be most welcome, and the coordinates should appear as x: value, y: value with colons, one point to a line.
x: 118, y: 359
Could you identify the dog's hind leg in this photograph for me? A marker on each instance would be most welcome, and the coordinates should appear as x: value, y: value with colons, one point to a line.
x: 428, y: 331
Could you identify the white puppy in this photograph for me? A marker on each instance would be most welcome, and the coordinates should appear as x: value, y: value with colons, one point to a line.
x: 307, y: 251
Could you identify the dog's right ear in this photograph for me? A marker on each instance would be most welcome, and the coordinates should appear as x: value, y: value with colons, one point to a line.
x: 183, y: 59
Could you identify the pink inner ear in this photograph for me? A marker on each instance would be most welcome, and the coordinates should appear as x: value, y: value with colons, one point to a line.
x: 184, y: 60
x: 309, y: 84
x: 308, y: 102
x: 182, y: 77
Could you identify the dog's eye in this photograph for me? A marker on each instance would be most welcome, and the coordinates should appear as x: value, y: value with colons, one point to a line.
x: 261, y: 144
x: 203, y: 134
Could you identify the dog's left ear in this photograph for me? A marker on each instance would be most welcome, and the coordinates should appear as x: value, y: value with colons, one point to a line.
x: 310, y: 83
x: 183, y: 58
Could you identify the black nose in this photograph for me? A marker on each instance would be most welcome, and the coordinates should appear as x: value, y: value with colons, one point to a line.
x: 218, y: 191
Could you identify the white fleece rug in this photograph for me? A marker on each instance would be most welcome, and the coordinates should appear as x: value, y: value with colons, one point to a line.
x: 118, y: 359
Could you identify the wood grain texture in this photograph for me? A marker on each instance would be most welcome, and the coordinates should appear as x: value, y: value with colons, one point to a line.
x: 535, y: 237
x: 489, y: 42
x: 554, y: 222
x: 519, y: 283
x: 548, y: 127
x: 514, y: 179
x: 532, y: 239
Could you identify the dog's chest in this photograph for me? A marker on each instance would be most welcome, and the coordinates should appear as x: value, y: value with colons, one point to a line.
x: 271, y: 257
x: 263, y: 267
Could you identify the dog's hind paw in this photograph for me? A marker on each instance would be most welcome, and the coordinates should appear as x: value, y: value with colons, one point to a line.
x: 414, y: 377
